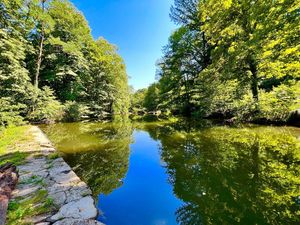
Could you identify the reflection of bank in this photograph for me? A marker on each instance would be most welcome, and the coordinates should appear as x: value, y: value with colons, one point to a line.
x: 234, y: 176
x: 98, y: 152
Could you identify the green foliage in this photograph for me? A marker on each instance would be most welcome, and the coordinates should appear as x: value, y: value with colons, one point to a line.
x: 151, y: 99
x: 46, y: 108
x: 137, y: 101
x: 75, y: 111
x: 277, y: 104
x: 49, y: 44
x: 231, y: 59
x: 10, y: 113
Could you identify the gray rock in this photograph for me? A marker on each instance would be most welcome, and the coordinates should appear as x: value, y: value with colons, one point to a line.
x: 77, y: 222
x: 81, y: 209
x: 79, y: 191
x: 34, y: 165
x: 69, y: 177
x: 39, y: 218
x: 56, y: 187
x: 57, y: 169
x: 25, y: 190
x: 59, y: 198
x: 41, y: 174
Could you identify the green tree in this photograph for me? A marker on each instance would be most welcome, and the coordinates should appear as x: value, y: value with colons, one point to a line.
x: 244, y: 33
x: 15, y: 86
x: 137, y: 100
x: 151, y: 99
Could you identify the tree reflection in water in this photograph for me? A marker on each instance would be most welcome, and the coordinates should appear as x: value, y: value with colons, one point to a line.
x: 224, y: 175
x: 233, y: 175
x: 98, y: 152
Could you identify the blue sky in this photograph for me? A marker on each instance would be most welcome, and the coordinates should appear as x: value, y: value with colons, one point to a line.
x: 140, y: 28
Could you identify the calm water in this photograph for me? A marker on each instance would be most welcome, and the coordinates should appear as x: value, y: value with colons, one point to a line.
x: 167, y: 173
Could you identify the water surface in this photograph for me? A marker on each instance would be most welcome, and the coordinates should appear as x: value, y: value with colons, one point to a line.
x: 167, y: 173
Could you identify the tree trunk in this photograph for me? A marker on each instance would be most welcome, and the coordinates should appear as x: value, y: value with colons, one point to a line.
x: 40, y: 54
x: 254, y: 79
x: 8, y: 182
x: 39, y: 62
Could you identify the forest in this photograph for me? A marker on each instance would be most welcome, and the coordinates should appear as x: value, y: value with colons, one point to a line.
x: 52, y: 69
x: 230, y: 59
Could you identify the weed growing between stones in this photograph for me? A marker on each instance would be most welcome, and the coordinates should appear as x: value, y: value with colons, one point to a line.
x: 21, y: 210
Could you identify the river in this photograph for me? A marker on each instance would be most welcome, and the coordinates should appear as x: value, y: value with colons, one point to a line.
x: 167, y: 173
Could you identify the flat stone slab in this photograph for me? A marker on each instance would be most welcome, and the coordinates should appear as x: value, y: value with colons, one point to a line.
x: 83, y: 208
x: 25, y: 190
x: 77, y: 222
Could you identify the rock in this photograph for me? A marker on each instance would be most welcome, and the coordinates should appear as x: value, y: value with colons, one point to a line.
x: 25, y: 190
x: 38, y: 219
x: 59, y: 187
x: 77, y: 222
x: 58, y: 161
x: 41, y: 174
x: 33, y: 165
x: 78, y: 191
x: 69, y: 177
x: 59, y: 198
x: 83, y: 208
x: 57, y: 169
x: 43, y: 223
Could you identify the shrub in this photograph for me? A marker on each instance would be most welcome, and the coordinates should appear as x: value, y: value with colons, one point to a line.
x: 10, y: 113
x: 46, y: 108
x: 278, y: 104
x: 75, y: 111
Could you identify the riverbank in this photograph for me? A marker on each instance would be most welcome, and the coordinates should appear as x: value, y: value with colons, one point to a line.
x: 48, y: 191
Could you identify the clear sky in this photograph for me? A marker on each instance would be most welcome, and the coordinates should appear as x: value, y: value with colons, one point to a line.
x: 140, y: 28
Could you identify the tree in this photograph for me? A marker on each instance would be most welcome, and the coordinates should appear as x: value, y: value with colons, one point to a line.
x: 240, y: 30
x: 15, y: 87
x: 50, y: 40
x: 137, y: 100
x: 185, y: 12
x: 151, y: 99
x: 186, y: 55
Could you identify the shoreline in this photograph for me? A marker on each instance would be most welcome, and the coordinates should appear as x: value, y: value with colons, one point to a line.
x: 69, y: 199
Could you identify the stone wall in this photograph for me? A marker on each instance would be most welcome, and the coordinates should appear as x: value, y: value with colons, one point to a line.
x: 44, y: 170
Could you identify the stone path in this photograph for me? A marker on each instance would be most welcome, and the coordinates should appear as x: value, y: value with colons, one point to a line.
x: 72, y: 198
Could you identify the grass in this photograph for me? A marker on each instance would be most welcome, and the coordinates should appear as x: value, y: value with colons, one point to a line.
x: 12, y: 137
x: 13, y: 141
x: 20, y: 211
x: 16, y: 158
x: 52, y: 156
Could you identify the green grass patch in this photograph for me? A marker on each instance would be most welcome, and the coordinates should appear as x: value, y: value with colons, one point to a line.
x: 11, y: 137
x: 21, y: 210
x: 16, y: 158
x: 53, y: 156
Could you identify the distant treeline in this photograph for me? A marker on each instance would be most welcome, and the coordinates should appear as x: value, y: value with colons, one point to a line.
x: 235, y: 59
x: 51, y: 68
